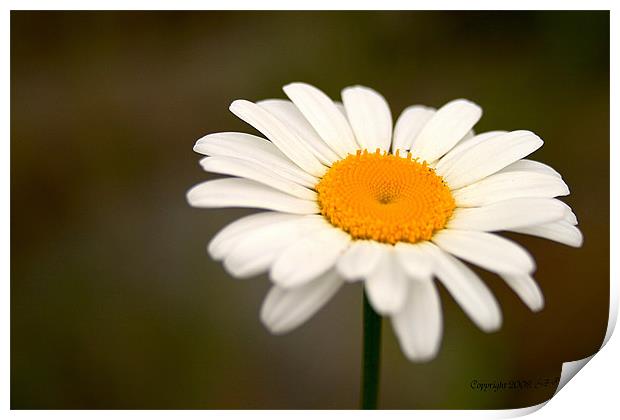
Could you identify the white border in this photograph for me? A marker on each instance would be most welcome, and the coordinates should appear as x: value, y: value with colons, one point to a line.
x: 595, y: 393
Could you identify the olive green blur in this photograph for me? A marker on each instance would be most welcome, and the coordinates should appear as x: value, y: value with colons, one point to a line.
x: 114, y: 300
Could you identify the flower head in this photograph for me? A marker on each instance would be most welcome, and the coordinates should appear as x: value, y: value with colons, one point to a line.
x: 350, y: 198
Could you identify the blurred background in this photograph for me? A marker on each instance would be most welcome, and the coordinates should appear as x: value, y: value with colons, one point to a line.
x: 114, y: 301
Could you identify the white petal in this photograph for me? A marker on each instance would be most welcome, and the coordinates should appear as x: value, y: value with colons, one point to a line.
x: 468, y: 291
x: 360, y: 258
x: 340, y: 107
x: 324, y: 116
x: 254, y: 149
x: 285, y: 309
x: 255, y: 172
x: 509, y: 214
x: 288, y: 113
x: 280, y: 134
x: 470, y: 135
x: 309, y: 256
x: 446, y: 162
x: 446, y: 127
x: 414, y: 261
x: 490, y: 156
x: 256, y: 250
x: 418, y: 325
x: 409, y: 125
x: 387, y: 284
x: 561, y: 231
x: 531, y: 166
x: 239, y: 192
x: 569, y: 216
x: 507, y: 185
x: 369, y: 115
x: 227, y: 238
x: 487, y: 250
x: 527, y: 289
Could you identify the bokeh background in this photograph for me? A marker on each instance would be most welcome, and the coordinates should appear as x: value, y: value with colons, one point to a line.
x: 114, y: 301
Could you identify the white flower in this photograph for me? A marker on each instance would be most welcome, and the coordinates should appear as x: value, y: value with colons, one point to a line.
x: 352, y: 199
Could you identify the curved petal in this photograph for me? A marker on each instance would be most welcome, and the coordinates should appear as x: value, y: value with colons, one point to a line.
x: 288, y: 113
x: 255, y: 251
x: 509, y: 214
x: 360, y: 258
x: 569, y: 216
x: 528, y: 165
x: 324, y: 116
x: 490, y: 156
x: 413, y: 260
x: 508, y: 185
x: 418, y: 325
x: 280, y: 134
x: 468, y: 291
x: 309, y: 256
x: 255, y: 172
x: 446, y: 127
x: 470, y: 135
x: 254, y: 149
x: 225, y: 240
x: 561, y: 231
x: 487, y: 250
x: 387, y: 285
x: 369, y: 115
x: 527, y: 289
x: 408, y: 126
x: 340, y: 108
x: 446, y: 162
x: 239, y: 192
x: 285, y: 309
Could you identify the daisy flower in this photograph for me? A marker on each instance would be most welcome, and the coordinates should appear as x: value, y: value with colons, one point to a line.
x: 352, y: 197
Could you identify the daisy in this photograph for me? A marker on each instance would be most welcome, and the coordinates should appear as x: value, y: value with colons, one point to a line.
x: 352, y: 197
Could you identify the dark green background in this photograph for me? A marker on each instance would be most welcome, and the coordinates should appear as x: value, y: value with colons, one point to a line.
x: 114, y: 302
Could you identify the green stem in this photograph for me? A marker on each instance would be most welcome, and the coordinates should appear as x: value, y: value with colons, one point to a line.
x: 371, y: 357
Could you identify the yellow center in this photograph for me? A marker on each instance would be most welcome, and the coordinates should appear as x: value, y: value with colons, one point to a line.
x: 384, y: 197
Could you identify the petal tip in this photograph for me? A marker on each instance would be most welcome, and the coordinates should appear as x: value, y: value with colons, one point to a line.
x: 491, y: 327
x: 421, y: 357
x: 295, y: 85
x: 191, y: 197
x: 236, y: 105
x: 468, y: 103
x: 271, y: 324
x: 578, y: 242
